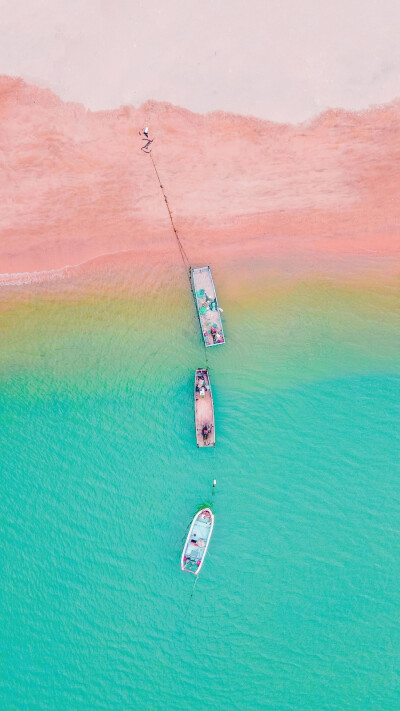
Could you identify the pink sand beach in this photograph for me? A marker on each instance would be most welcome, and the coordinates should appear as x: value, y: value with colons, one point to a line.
x: 76, y: 187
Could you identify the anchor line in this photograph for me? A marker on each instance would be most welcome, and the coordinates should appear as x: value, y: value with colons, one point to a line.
x: 181, y: 248
x: 190, y: 599
x: 180, y: 245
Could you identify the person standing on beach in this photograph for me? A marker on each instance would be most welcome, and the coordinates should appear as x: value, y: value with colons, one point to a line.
x: 146, y: 148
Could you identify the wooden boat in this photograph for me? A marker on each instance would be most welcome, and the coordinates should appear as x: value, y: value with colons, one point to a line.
x: 207, y: 306
x: 204, y: 409
x: 197, y: 541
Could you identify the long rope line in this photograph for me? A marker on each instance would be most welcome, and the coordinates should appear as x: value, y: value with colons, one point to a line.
x: 180, y: 245
x: 181, y: 248
x: 193, y: 589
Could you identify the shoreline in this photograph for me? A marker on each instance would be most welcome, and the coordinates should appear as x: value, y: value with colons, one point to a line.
x: 76, y: 188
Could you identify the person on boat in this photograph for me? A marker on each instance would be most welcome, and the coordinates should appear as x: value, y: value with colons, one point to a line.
x: 200, y: 385
x: 146, y: 131
x: 206, y: 431
x: 214, y: 333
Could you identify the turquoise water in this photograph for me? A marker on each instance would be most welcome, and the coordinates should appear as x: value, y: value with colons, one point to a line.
x: 296, y: 607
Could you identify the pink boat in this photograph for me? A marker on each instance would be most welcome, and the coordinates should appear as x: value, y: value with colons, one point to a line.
x: 197, y: 541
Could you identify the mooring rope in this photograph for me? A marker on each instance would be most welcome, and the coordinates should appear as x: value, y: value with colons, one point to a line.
x: 180, y: 245
x: 181, y: 248
x: 190, y: 599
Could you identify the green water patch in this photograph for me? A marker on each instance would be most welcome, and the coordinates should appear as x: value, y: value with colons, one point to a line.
x: 299, y: 586
x: 101, y: 342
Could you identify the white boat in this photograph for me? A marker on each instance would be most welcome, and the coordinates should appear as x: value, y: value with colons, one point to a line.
x: 207, y: 306
x: 204, y: 409
x: 197, y: 542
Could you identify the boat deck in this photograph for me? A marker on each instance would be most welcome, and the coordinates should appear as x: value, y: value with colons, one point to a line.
x: 204, y: 409
x: 197, y: 542
x: 207, y: 306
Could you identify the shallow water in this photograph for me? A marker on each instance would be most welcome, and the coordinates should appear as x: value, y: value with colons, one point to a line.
x: 297, y: 603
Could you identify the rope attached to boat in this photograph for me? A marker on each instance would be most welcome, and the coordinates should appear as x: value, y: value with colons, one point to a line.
x: 190, y: 599
x: 180, y: 245
x: 181, y: 248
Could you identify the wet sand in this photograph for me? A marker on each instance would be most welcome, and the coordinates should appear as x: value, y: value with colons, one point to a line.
x: 75, y: 187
